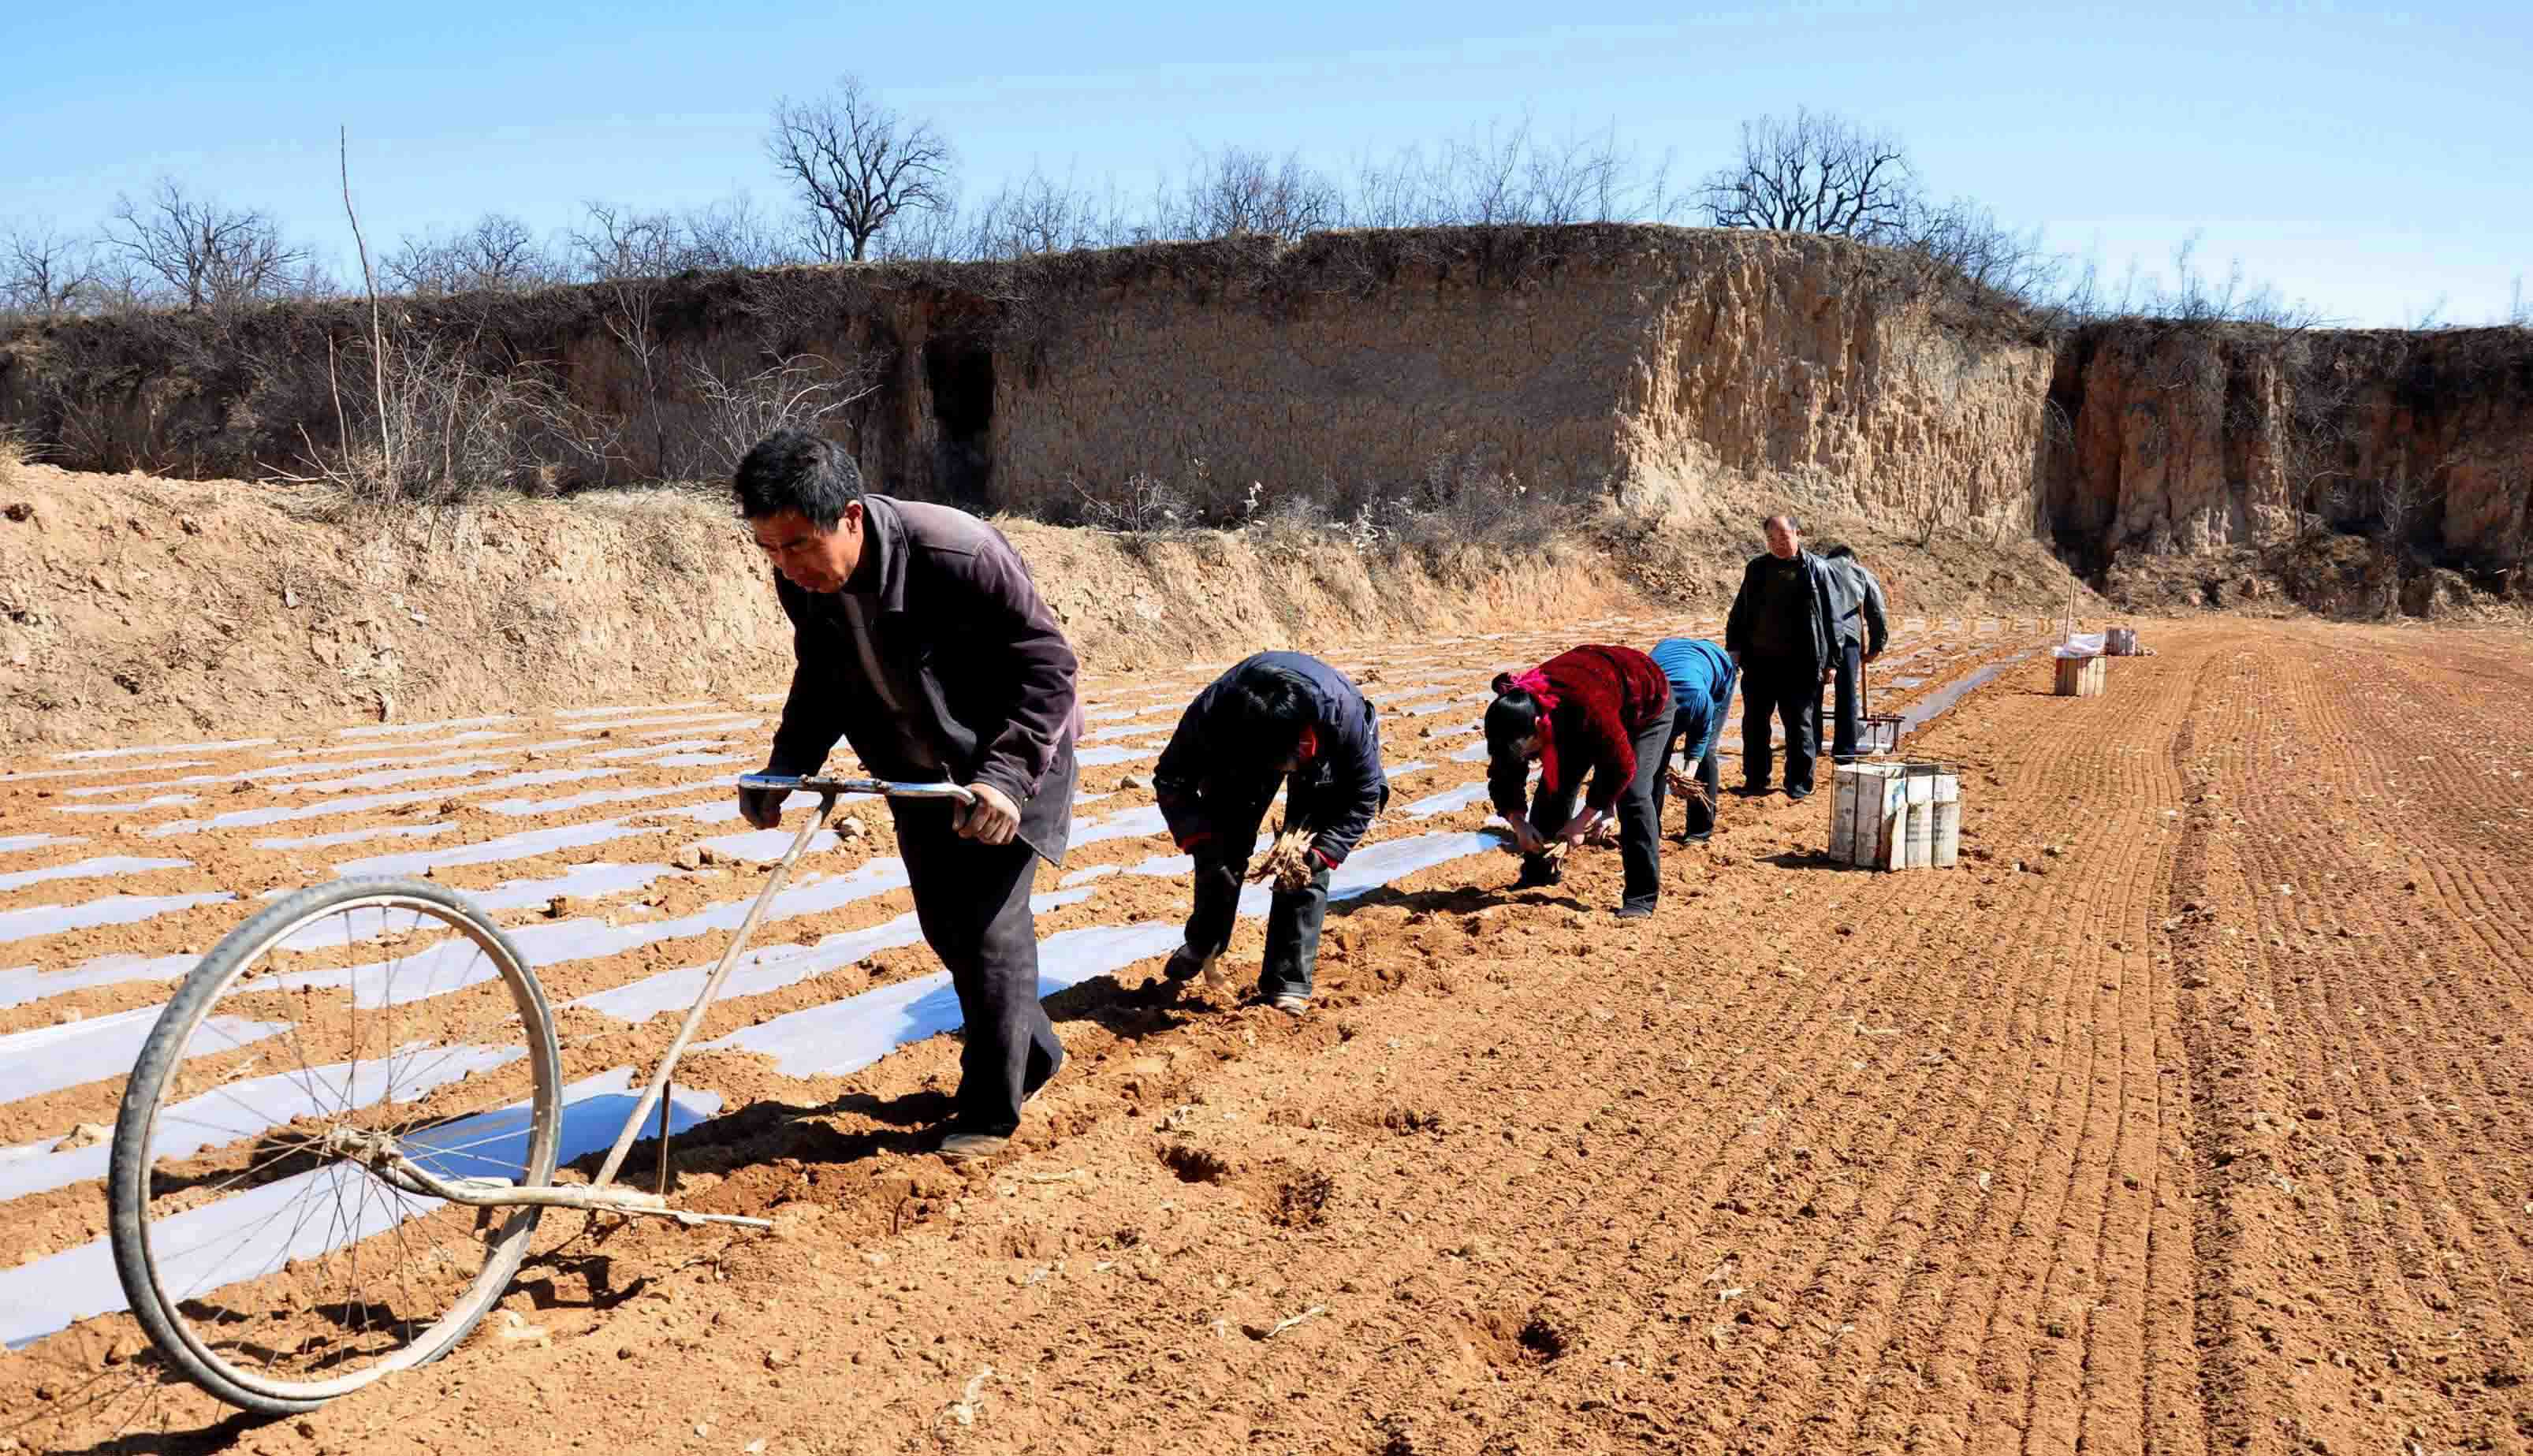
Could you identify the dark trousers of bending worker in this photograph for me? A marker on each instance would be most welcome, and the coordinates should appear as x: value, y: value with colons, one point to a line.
x: 1788, y: 690
x: 973, y: 902
x: 1640, y: 819
x: 1293, y: 917
x: 1849, y: 728
x: 1695, y: 730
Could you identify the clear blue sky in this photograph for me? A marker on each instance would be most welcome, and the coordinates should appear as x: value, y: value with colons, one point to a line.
x: 2365, y: 161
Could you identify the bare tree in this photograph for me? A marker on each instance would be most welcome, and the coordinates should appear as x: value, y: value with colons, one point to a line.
x: 855, y: 166
x: 2519, y: 309
x: 47, y: 271
x: 735, y: 233
x: 210, y: 256
x: 498, y: 254
x: 1038, y: 215
x: 1512, y: 175
x: 1236, y: 191
x: 1814, y: 174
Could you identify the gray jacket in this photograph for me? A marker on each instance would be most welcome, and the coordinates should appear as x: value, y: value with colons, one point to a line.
x: 1855, y: 602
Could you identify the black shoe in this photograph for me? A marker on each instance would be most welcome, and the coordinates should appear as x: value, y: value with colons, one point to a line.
x: 1797, y: 796
x: 1753, y: 791
x: 1539, y: 874
x: 1635, y: 913
x: 1696, y: 836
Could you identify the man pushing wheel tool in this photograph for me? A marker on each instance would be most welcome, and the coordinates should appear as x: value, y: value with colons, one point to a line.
x: 921, y: 640
x: 1279, y: 717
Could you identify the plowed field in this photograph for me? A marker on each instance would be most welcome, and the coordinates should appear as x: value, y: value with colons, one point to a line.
x: 2185, y: 1115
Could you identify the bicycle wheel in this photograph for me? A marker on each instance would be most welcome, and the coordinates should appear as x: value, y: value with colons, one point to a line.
x: 266, y: 1268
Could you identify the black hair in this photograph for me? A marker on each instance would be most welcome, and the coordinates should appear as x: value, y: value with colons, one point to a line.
x: 1840, y: 550
x: 794, y: 470
x: 1792, y: 522
x: 1258, y: 718
x: 1511, y: 719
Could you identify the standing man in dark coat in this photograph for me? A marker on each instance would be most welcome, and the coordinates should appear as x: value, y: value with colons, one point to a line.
x: 921, y: 640
x: 1279, y: 717
x: 1781, y: 633
x: 1856, y: 597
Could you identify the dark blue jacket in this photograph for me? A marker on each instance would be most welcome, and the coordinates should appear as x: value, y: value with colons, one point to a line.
x: 1336, y: 792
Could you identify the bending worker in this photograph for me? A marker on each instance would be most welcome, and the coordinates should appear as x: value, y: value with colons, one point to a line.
x: 1279, y: 717
x: 921, y: 640
x: 1701, y: 690
x: 1856, y: 601
x: 1596, y: 710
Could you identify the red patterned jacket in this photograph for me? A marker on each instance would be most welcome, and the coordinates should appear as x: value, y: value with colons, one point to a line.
x: 1603, y: 697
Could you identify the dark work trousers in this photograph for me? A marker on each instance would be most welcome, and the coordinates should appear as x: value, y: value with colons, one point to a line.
x: 973, y: 901
x: 1293, y: 917
x: 1789, y: 691
x: 1851, y: 718
x: 1639, y: 820
x: 1688, y: 731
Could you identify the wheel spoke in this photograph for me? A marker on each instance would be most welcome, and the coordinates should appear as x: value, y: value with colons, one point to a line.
x: 329, y: 1276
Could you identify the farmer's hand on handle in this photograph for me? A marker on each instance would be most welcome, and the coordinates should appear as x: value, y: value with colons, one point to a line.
x: 991, y: 818
x: 762, y: 807
x: 1526, y: 837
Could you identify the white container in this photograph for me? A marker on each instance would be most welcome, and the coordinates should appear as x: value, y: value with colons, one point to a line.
x: 1867, y: 808
x: 1948, y: 821
x: 1918, y: 839
x: 1895, y: 816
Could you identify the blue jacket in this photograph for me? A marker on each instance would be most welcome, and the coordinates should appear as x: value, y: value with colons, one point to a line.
x: 1702, y: 683
x: 1336, y: 792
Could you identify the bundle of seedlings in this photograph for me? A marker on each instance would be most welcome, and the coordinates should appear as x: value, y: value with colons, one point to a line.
x: 1289, y: 862
x: 1687, y: 787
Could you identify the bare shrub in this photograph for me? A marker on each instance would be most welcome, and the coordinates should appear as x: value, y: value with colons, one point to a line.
x: 855, y: 166
x: 430, y: 428
x: 1238, y: 192
x: 1141, y: 505
x: 802, y: 393
x: 497, y: 254
x: 1039, y: 215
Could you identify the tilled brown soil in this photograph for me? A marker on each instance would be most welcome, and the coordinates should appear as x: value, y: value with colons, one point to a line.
x: 2178, y: 1118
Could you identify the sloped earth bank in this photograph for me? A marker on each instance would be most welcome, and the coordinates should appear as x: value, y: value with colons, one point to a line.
x: 2179, y: 1118
x: 135, y: 610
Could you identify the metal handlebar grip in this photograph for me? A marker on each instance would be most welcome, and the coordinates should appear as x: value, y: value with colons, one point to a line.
x: 825, y: 784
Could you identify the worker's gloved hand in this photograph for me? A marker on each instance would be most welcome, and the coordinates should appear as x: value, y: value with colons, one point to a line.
x: 762, y: 807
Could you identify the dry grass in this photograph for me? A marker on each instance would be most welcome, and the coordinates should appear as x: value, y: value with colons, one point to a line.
x: 1288, y: 863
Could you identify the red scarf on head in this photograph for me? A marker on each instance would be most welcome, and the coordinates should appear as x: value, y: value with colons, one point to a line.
x: 1535, y: 683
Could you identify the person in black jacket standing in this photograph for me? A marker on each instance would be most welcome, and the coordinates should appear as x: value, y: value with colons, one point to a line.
x: 921, y: 640
x: 1279, y: 717
x: 1780, y: 632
